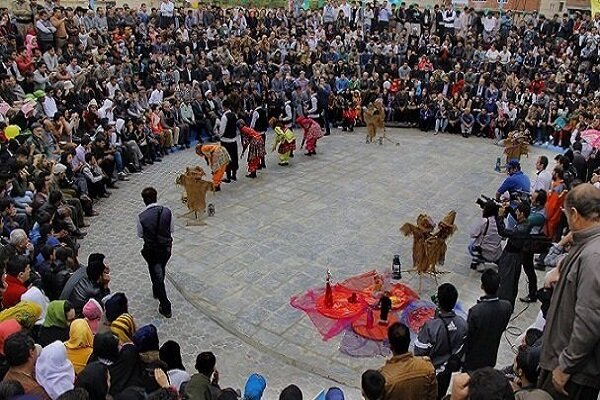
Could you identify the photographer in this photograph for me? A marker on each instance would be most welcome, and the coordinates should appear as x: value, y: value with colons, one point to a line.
x: 538, y: 242
x: 486, y: 243
x: 509, y: 264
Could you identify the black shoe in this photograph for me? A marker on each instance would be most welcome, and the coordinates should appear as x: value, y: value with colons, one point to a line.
x: 251, y: 175
x: 226, y: 180
x: 308, y: 154
x: 474, y: 265
x: 158, y: 159
x: 327, y: 134
x: 528, y: 299
x: 217, y: 188
x: 234, y: 178
x: 291, y: 155
x: 165, y: 313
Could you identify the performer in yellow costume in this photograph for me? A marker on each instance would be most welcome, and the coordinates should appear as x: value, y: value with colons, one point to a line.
x: 285, y: 141
x: 217, y: 158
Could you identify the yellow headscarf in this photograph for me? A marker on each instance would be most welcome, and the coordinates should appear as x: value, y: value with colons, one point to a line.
x: 25, y: 312
x: 80, y: 344
x: 124, y: 328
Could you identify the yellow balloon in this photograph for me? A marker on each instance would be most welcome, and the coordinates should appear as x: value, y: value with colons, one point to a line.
x: 12, y: 131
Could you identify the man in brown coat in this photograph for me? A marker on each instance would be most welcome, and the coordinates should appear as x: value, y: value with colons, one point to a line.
x: 407, y: 377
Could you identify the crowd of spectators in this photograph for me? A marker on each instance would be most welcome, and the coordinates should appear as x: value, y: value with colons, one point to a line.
x: 89, y: 96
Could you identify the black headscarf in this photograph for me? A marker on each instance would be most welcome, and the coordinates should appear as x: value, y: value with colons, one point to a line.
x: 115, y: 306
x: 93, y: 380
x: 106, y: 347
x: 127, y: 371
x: 292, y: 392
x: 170, y: 353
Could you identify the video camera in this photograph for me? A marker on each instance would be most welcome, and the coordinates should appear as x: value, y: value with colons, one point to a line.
x: 483, y: 200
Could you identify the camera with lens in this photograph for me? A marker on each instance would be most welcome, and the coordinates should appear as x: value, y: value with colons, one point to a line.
x: 520, y: 196
x: 488, y: 204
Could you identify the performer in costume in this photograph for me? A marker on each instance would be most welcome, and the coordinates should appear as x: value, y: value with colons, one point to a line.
x: 375, y: 119
x: 285, y: 141
x: 253, y: 141
x: 516, y: 145
x: 217, y: 158
x: 420, y: 233
x: 312, y: 132
x: 436, y: 243
x: 260, y: 123
x: 349, y: 113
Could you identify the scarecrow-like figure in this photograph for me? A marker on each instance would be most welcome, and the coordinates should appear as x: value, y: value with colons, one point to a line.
x: 516, y: 145
x: 374, y: 118
x: 436, y: 244
x: 195, y: 188
x: 420, y: 233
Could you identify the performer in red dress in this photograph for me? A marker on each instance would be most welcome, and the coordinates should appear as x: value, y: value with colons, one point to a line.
x: 254, y: 142
x: 312, y: 132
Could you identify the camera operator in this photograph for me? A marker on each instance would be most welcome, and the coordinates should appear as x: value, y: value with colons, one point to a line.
x: 509, y: 264
x: 516, y: 181
x: 538, y: 242
x: 486, y: 243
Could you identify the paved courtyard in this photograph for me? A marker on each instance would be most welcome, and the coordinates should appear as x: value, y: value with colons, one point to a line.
x: 275, y: 236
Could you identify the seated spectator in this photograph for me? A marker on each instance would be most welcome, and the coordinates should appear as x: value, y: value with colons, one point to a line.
x: 372, y: 385
x: 54, y: 371
x: 17, y: 277
x: 59, y: 315
x: 95, y: 379
x: 7, y: 328
x: 170, y: 354
x: 93, y: 313
x: 205, y: 384
x: 124, y: 328
x: 526, y: 367
x: 87, y: 283
x: 256, y: 384
x: 293, y: 392
x: 80, y: 344
x: 406, y: 376
x: 485, y: 383
x: 21, y: 355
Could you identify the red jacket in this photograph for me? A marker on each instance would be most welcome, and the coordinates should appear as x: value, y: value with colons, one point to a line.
x: 14, y: 290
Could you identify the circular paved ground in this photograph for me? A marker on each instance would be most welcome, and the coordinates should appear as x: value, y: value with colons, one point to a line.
x: 275, y: 236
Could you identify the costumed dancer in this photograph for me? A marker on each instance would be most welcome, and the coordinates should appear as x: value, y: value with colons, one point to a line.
x: 375, y: 119
x: 217, y: 158
x: 260, y: 123
x: 348, y: 114
x: 253, y: 141
x: 312, y: 132
x: 516, y: 145
x: 436, y: 244
x: 420, y: 233
x: 285, y: 141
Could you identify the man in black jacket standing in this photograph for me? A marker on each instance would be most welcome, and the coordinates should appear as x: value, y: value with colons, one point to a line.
x: 155, y: 226
x: 228, y: 134
x: 486, y: 322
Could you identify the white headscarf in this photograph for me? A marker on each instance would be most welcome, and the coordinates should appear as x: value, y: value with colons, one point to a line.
x: 38, y: 297
x: 54, y: 371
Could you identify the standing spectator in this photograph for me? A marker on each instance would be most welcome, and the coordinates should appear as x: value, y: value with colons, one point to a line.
x: 228, y: 133
x: 167, y: 9
x: 543, y: 177
x: 486, y: 322
x: 45, y: 31
x: 442, y: 338
x: 407, y: 377
x: 155, y: 226
x: 571, y: 351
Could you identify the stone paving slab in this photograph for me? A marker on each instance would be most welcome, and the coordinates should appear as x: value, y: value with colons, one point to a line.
x: 275, y: 236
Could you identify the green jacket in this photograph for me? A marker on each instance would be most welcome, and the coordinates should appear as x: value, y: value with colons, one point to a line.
x: 200, y: 388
